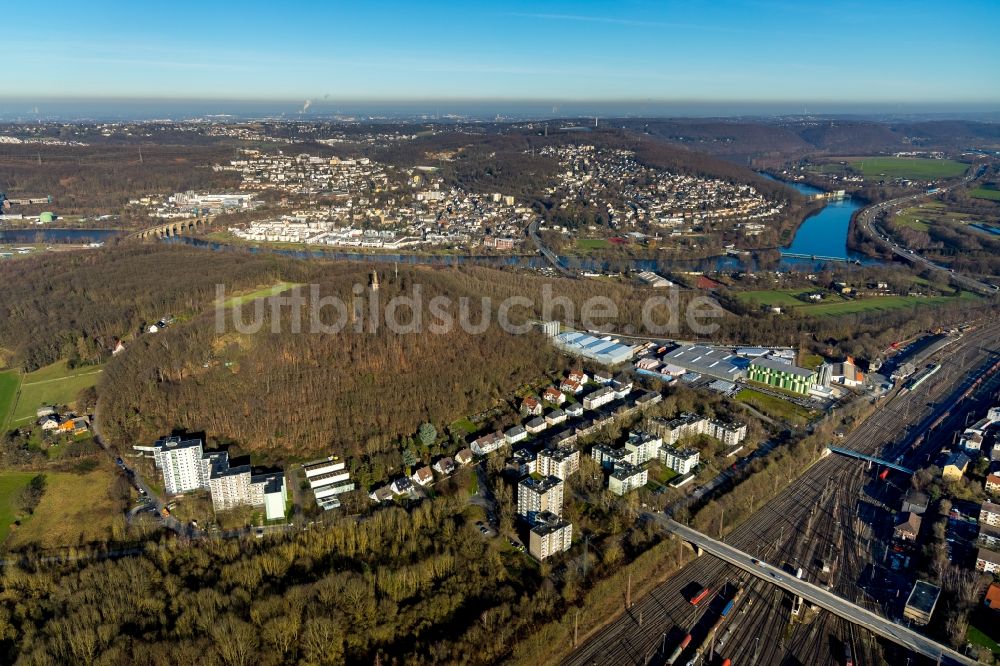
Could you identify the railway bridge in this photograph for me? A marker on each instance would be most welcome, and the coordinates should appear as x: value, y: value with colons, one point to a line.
x: 864, y: 456
x: 174, y: 228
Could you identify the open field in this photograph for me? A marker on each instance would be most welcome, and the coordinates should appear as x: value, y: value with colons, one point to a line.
x: 76, y: 509
x: 785, y: 298
x: 774, y: 407
x: 9, y: 381
x: 913, y: 168
x: 11, y: 484
x: 263, y: 292
x: 985, y: 193
x: 592, y: 243
x: 54, y: 384
x: 878, y: 303
x: 834, y: 305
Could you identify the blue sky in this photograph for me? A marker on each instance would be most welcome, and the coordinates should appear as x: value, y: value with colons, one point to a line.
x: 760, y: 50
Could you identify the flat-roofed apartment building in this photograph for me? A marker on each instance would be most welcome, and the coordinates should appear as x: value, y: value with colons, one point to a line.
x: 186, y: 467
x: 549, y: 535
x: 538, y: 494
x: 560, y: 462
x: 180, y: 462
x: 328, y: 478
x: 689, y: 425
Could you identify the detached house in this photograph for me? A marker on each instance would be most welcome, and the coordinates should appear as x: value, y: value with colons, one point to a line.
x: 531, y: 406
x: 488, y: 443
x: 571, y: 386
x: 464, y: 457
x: 909, y: 528
x: 553, y: 395
x: 422, y: 476
x: 444, y: 466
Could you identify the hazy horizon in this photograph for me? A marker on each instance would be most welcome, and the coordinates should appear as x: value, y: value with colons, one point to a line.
x: 34, y: 109
x: 740, y: 56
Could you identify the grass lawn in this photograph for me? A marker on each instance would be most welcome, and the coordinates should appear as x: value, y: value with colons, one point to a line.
x: 263, y: 292
x: 54, y: 384
x: 914, y: 168
x: 592, y: 243
x: 985, y: 193
x: 912, y: 218
x: 661, y: 473
x: 464, y: 425
x: 833, y: 305
x: 877, y: 303
x: 9, y: 381
x: 977, y: 637
x: 774, y: 407
x: 74, y: 510
x: 781, y: 297
x: 11, y: 484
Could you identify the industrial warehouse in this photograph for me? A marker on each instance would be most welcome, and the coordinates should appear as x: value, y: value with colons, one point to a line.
x: 606, y: 350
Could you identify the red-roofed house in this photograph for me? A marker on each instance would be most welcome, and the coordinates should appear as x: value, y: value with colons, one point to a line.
x: 531, y: 405
x: 553, y: 395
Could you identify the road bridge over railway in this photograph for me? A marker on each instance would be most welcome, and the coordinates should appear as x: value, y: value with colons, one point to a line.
x: 817, y: 595
x: 865, y: 456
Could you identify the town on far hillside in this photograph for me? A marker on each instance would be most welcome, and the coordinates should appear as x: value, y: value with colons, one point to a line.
x: 549, y: 334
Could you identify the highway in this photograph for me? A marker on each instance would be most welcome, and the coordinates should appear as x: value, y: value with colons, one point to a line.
x: 866, y: 220
x: 833, y: 521
x: 817, y: 595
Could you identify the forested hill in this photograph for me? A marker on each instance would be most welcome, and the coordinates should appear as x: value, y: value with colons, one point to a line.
x: 292, y: 394
x: 74, y: 304
x: 743, y: 140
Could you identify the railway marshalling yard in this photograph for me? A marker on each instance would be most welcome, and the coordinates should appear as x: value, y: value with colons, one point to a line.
x: 838, y: 514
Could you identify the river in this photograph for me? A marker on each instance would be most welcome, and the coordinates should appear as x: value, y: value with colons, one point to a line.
x: 822, y: 234
x: 825, y: 232
x: 56, y: 236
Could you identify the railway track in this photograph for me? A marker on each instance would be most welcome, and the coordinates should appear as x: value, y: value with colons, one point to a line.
x: 813, y: 519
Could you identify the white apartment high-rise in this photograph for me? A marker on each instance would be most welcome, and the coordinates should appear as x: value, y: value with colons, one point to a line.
x: 180, y: 462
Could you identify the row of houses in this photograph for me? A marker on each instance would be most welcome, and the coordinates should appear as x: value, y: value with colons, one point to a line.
x: 405, y: 486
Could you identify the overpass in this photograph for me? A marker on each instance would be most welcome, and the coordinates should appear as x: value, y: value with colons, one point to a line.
x: 864, y: 456
x: 173, y: 228
x: 874, y: 623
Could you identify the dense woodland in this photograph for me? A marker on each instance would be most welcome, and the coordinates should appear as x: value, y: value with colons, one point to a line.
x: 101, y: 179
x: 339, y: 595
x: 73, y: 305
x: 349, y: 391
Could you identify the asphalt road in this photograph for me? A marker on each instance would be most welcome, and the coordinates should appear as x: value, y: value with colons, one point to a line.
x: 866, y: 218
x: 817, y: 595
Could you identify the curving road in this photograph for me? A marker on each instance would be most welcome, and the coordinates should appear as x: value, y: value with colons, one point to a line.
x: 866, y: 220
